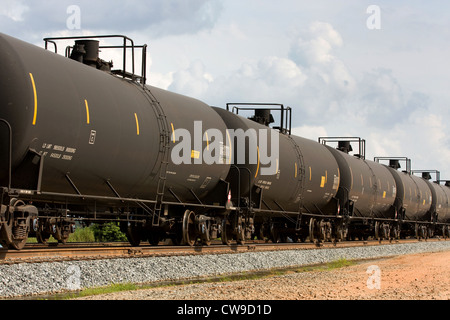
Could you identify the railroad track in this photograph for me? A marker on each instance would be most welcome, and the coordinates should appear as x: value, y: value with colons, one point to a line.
x: 35, y: 253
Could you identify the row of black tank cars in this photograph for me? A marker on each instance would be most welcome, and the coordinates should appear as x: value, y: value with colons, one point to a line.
x: 81, y: 142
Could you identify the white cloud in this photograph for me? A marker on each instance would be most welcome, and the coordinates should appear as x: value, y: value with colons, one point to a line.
x: 328, y: 99
x: 13, y: 10
x: 315, y: 45
x: 156, y: 18
x: 194, y: 80
x: 310, y: 132
x: 320, y: 86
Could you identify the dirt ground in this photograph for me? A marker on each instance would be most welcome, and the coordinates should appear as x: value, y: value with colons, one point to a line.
x: 424, y: 276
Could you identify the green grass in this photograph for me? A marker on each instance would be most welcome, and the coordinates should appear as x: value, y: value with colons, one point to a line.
x: 95, y: 233
x: 80, y: 235
x: 341, y: 263
x: 116, y: 287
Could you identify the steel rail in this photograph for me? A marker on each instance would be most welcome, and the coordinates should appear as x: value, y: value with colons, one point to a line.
x: 37, y: 253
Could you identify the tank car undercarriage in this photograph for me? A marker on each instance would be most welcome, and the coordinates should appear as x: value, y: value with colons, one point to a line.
x: 21, y: 218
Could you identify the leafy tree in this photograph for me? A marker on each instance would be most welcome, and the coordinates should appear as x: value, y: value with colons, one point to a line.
x: 108, y: 232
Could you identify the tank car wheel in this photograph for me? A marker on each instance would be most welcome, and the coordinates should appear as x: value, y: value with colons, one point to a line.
x: 325, y: 231
x: 134, y: 235
x: 240, y: 232
x: 227, y: 232
x: 423, y: 232
x: 42, y: 237
x: 312, y: 224
x: 430, y: 232
x: 276, y: 234
x: 379, y: 231
x: 205, y: 232
x: 14, y: 237
x: 445, y: 232
x: 417, y: 231
x: 396, y: 232
x: 7, y: 233
x: 189, y: 228
x: 58, y: 234
x: 18, y: 244
x: 341, y: 232
x: 260, y: 234
x: 153, y: 238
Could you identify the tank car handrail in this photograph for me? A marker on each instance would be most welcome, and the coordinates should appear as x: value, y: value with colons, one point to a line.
x: 52, y: 42
x: 125, y: 46
x: 437, y: 172
x: 286, y: 113
x: 406, y: 159
x: 361, y: 143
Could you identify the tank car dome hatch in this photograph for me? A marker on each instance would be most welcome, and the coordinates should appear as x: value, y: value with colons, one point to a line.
x: 426, y: 175
x: 395, y: 164
x: 263, y: 116
x: 87, y: 52
x: 345, y: 146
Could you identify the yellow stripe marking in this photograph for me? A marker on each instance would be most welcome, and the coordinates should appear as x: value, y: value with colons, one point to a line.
x: 296, y: 170
x: 339, y: 175
x: 207, y: 140
x: 257, y: 168
x: 351, y: 175
x: 88, y: 119
x: 173, y: 133
x: 35, y: 99
x: 310, y: 174
x: 322, y: 182
x: 137, y: 123
x: 230, y: 148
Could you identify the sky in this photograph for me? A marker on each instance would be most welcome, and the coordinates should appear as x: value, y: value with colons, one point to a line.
x: 373, y: 69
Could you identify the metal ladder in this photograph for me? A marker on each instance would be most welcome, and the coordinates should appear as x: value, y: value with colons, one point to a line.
x: 301, y: 177
x: 164, y: 149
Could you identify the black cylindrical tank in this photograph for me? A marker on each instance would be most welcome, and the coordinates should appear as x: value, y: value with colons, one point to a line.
x: 444, y: 215
x: 440, y: 200
x: 414, y: 195
x: 94, y: 127
x: 306, y: 175
x: 369, y: 185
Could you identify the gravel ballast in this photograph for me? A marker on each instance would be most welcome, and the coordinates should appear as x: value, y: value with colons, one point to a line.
x: 49, y: 278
